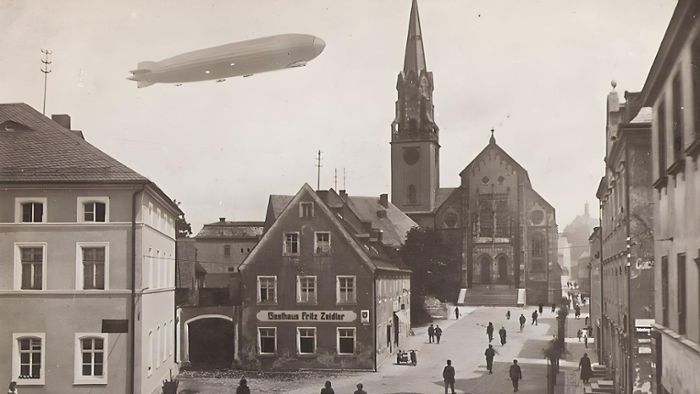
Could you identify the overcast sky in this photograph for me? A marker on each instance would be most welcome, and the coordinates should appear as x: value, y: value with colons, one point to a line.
x: 537, y: 71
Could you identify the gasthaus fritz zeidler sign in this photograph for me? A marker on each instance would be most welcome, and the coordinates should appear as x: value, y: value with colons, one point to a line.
x: 307, y: 316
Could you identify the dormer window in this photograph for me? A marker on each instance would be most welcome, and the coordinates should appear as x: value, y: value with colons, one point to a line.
x: 93, y: 209
x: 30, y: 210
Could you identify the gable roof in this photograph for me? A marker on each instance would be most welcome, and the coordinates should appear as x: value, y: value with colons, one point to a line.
x: 394, y: 226
x: 374, y: 256
x: 44, y: 151
x: 493, y: 145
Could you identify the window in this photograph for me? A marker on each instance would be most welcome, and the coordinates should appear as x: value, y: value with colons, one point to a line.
x: 306, y: 340
x: 227, y: 250
x: 156, y: 349
x: 164, y: 346
x: 346, y: 341
x: 345, y: 289
x: 661, y: 137
x: 267, y: 289
x: 90, y: 360
x: 412, y: 199
x: 323, y: 242
x: 306, y: 289
x: 267, y: 340
x: 31, y: 266
x: 93, y: 209
x: 91, y: 266
x: 291, y: 244
x: 537, y: 245
x: 486, y: 217
x: 171, y: 341
x: 664, y: 290
x: 30, y: 210
x: 28, y: 358
x: 306, y: 209
x: 682, y: 312
x: 677, y: 118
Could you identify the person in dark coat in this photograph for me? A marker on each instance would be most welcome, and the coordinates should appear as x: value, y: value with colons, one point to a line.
x: 489, y: 331
x: 540, y: 308
x: 456, y: 313
x: 359, y: 389
x: 585, y: 366
x: 522, y: 321
x: 431, y: 333
x: 534, y: 318
x: 490, y: 353
x: 448, y: 375
x: 516, y: 374
x: 508, y: 314
x: 577, y: 311
x: 327, y: 389
x: 502, y: 334
x: 438, y: 333
x: 579, y: 334
x: 243, y: 387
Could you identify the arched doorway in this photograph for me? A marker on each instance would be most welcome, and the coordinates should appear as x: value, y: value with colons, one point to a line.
x: 485, y: 268
x: 210, y: 341
x: 502, y: 269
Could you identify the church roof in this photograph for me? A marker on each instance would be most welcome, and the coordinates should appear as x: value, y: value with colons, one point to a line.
x: 494, y: 145
x: 34, y: 148
x: 414, y: 59
x: 443, y: 194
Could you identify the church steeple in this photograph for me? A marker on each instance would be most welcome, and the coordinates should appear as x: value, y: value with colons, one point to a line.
x: 415, y: 148
x: 414, y: 59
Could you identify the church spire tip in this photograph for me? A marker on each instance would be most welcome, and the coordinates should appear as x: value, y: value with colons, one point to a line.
x: 492, y: 140
x: 415, y: 54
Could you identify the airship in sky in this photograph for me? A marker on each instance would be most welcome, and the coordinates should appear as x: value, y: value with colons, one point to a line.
x: 231, y: 60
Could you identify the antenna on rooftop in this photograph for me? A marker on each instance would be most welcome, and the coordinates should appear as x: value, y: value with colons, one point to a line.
x: 318, y: 172
x: 344, y: 186
x: 45, y: 69
x: 335, y: 179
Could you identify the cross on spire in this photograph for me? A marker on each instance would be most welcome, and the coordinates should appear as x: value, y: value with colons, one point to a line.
x: 492, y: 140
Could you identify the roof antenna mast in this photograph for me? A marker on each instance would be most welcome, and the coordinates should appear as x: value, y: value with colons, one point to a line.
x: 318, y: 171
x: 335, y: 179
x: 45, y: 69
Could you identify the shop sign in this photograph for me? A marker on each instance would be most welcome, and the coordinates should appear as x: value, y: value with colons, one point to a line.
x: 364, y: 316
x: 307, y: 316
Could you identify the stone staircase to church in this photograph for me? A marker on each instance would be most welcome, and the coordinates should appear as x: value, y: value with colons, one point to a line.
x: 491, y: 295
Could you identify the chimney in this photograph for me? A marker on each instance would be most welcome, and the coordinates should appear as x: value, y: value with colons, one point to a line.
x: 343, y: 194
x: 222, y: 220
x: 384, y: 200
x: 62, y: 119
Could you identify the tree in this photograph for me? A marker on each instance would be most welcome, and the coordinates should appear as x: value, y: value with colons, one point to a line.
x: 436, y: 269
x: 182, y: 228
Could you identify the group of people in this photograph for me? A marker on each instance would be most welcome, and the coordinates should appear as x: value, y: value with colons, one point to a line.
x: 434, y: 333
x: 328, y: 388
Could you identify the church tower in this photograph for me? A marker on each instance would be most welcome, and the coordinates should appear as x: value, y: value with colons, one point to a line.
x: 415, y: 148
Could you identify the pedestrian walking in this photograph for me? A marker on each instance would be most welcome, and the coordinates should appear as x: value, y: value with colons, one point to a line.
x: 554, y: 306
x: 522, y: 321
x: 577, y: 311
x: 586, y: 320
x: 516, y: 374
x: 243, y: 387
x: 585, y: 366
x: 534, y: 318
x: 359, y: 389
x: 585, y: 340
x: 327, y: 389
x: 438, y: 332
x: 12, y: 389
x: 456, y: 313
x: 540, y: 308
x: 502, y: 334
x: 489, y: 331
x: 448, y: 375
x: 579, y: 333
x: 490, y: 353
x: 431, y: 333
x: 508, y: 314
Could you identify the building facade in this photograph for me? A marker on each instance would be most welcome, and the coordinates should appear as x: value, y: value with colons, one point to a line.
x: 576, y: 233
x: 324, y: 287
x: 672, y: 89
x: 209, y: 291
x: 87, y: 272
x: 627, y: 235
x: 502, y: 230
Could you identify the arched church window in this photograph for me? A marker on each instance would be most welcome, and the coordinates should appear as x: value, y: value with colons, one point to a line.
x: 411, y: 194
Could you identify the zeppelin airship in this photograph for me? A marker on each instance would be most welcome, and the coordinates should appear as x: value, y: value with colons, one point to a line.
x: 243, y: 58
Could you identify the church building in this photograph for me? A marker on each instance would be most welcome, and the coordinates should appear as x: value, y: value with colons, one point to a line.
x: 504, y: 232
